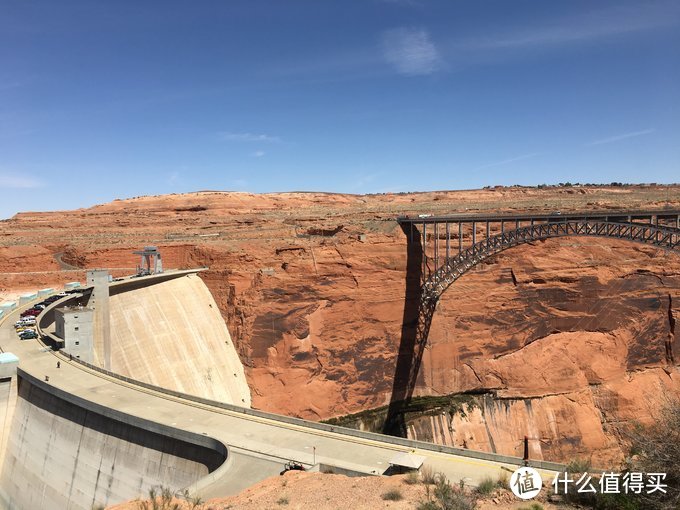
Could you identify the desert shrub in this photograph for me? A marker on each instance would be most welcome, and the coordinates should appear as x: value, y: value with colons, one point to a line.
x: 486, y: 486
x: 656, y: 449
x: 444, y: 496
x: 194, y: 501
x: 427, y: 475
x: 503, y: 481
x: 159, y: 500
x: 392, y: 495
x: 412, y: 478
x: 534, y: 506
x: 427, y: 505
x: 579, y: 466
x: 282, y: 501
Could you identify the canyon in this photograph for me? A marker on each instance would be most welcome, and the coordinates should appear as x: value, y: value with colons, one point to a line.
x: 567, y: 341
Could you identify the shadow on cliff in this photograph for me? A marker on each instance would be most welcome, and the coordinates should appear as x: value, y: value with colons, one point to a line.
x: 408, y: 364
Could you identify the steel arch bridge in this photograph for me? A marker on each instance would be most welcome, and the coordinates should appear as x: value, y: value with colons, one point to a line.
x: 430, y: 255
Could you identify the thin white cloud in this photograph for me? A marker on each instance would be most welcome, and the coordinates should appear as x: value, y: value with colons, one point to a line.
x: 249, y: 137
x: 616, y: 138
x: 11, y: 181
x: 258, y: 154
x: 173, y: 178
x: 508, y: 161
x: 598, y: 24
x: 410, y: 51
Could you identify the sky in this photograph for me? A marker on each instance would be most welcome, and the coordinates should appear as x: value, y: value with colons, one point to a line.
x: 114, y: 99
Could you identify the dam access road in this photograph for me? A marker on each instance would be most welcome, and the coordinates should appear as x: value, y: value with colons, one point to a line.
x: 82, y: 437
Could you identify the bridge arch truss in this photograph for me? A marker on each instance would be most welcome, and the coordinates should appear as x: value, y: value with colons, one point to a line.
x: 441, y: 249
x: 453, y: 268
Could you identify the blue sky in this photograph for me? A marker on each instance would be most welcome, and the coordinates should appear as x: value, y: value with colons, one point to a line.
x: 103, y: 100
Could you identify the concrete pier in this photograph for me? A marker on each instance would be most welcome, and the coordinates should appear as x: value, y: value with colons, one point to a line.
x: 99, y: 302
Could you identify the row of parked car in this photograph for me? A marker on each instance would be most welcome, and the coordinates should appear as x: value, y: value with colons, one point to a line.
x: 25, y: 326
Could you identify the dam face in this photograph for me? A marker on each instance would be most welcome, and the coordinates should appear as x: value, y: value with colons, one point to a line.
x: 171, y: 334
x: 60, y: 451
x: 60, y: 455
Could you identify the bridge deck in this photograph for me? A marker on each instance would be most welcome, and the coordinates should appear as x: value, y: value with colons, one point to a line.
x: 635, y: 214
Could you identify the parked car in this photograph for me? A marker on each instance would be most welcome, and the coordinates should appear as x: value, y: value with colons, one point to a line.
x: 22, y: 330
x: 28, y: 335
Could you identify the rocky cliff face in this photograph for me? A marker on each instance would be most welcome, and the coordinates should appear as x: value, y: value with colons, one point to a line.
x: 564, y: 341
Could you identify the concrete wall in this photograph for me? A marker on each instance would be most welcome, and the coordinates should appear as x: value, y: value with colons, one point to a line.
x: 99, y: 302
x: 171, y: 334
x: 8, y: 306
x: 75, y: 327
x: 27, y: 298
x: 8, y: 398
x: 61, y: 455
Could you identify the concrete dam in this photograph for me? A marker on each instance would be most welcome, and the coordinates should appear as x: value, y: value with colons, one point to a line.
x: 62, y: 454
x: 172, y: 411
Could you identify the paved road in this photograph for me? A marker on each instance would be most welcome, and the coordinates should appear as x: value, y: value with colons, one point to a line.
x: 258, y: 447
